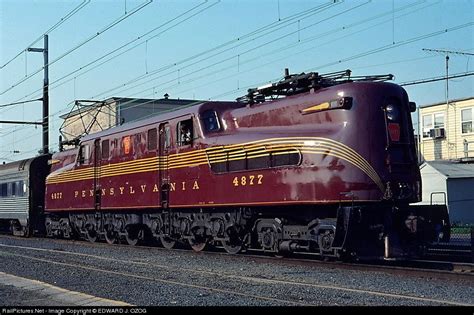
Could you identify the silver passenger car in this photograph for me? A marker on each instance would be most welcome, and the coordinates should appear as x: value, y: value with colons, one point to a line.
x: 22, y: 187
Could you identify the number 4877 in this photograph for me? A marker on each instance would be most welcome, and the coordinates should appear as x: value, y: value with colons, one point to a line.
x: 248, y: 180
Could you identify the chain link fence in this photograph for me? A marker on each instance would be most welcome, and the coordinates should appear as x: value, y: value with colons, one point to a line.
x: 460, y: 246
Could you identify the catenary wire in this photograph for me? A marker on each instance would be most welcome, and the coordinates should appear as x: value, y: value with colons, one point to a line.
x: 108, y: 27
x: 405, y: 42
x: 52, y: 28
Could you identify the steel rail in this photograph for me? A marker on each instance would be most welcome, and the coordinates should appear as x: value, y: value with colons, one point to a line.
x: 443, y: 269
x: 233, y: 276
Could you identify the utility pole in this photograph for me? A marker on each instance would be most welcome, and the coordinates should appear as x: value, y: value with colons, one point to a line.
x: 447, y: 52
x: 45, y: 99
x: 44, y: 50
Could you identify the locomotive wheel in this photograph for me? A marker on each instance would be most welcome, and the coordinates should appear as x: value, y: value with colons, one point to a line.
x: 197, y: 244
x: 235, y: 242
x: 91, y: 234
x: 233, y: 245
x: 132, y: 235
x: 231, y: 248
x: 111, y: 236
x: 167, y: 242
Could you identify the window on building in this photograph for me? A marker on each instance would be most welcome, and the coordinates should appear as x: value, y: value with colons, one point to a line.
x: 152, y: 139
x: 439, y: 120
x: 427, y: 125
x: 432, y: 121
x: 210, y: 121
x: 466, y: 120
x: 3, y: 190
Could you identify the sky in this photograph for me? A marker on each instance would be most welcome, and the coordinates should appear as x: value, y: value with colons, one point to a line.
x: 216, y: 50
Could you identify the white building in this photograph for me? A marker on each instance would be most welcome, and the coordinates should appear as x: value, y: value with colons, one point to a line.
x: 451, y: 183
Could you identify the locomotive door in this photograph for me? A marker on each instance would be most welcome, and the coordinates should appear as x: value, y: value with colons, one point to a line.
x: 163, y: 152
x: 97, y: 191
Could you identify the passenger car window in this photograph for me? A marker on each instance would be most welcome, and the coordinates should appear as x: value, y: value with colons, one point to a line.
x: 20, y: 188
x: 210, y: 121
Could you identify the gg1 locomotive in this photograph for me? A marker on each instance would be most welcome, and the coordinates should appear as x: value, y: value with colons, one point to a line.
x: 324, y: 164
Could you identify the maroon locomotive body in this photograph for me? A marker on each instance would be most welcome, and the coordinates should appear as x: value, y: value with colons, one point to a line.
x: 329, y: 168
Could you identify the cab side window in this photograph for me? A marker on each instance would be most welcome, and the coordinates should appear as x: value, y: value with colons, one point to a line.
x: 84, y: 154
x: 167, y: 132
x: 184, y: 132
x: 210, y: 121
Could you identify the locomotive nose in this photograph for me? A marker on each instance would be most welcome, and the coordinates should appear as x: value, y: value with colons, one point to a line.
x: 402, y: 174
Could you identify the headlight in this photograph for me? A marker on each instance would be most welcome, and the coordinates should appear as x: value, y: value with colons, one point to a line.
x: 392, y: 112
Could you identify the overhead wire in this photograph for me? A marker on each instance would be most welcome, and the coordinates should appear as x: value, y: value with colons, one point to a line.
x: 167, y: 28
x: 238, y: 41
x: 148, y: 39
x: 52, y: 84
x: 401, y: 43
x: 318, y: 46
x: 106, y: 28
x: 280, y: 49
x: 438, y: 78
x: 16, y: 103
x: 300, y: 15
x: 52, y: 28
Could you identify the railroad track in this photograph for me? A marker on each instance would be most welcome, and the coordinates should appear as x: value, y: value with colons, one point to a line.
x: 443, y: 269
x: 29, y: 255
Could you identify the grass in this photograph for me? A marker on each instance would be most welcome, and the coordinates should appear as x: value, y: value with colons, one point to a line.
x: 466, y: 229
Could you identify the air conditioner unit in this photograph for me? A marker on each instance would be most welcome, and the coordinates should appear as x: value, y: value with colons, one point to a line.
x: 437, y: 133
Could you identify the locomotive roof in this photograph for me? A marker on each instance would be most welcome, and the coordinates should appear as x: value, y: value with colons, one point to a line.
x: 290, y: 85
x: 166, y: 116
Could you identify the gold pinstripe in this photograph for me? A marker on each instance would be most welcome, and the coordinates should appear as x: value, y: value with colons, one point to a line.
x: 269, y: 203
x: 227, y: 204
x: 233, y: 152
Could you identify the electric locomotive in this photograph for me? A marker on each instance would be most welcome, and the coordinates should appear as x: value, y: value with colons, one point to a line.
x: 325, y: 164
